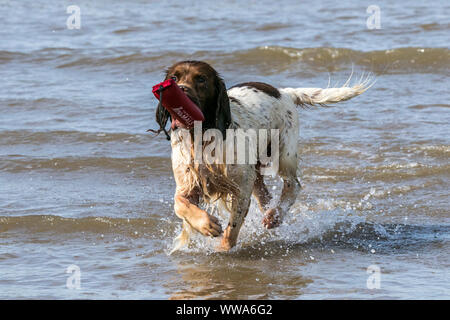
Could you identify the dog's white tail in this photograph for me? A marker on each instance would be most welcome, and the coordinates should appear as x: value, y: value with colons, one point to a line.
x: 321, y: 97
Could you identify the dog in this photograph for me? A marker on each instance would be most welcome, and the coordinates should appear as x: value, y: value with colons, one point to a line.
x: 250, y: 105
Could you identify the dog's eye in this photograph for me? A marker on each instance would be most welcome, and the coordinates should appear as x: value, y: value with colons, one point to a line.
x: 201, y: 79
x: 174, y: 78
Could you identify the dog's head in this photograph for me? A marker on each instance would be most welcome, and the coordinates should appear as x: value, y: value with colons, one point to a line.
x: 203, y: 85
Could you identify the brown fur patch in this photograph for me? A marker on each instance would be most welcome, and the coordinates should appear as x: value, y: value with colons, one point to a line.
x: 264, y: 87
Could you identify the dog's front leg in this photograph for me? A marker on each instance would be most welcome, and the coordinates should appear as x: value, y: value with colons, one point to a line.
x: 186, y: 208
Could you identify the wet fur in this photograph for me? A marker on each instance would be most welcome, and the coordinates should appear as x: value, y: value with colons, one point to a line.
x: 250, y: 105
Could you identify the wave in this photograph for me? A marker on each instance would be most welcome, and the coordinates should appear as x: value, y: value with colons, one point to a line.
x: 10, y: 137
x: 6, y: 56
x: 316, y: 229
x: 72, y: 162
x: 40, y: 103
x: 62, y: 225
x: 399, y: 60
x: 276, y: 58
x: 18, y: 163
x: 385, y: 173
x: 390, y: 172
x: 429, y: 106
x: 435, y: 26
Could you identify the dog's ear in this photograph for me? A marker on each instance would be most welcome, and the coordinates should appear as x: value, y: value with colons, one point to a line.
x: 223, y: 114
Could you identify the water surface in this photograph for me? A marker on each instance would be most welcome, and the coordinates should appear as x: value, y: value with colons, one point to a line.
x: 81, y: 182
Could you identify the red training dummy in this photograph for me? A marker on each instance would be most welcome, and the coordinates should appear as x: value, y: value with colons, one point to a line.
x: 180, y: 107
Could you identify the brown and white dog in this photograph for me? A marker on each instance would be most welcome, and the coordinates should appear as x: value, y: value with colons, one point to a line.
x: 248, y: 105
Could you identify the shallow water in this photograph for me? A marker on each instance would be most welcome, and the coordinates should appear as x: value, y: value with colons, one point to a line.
x: 81, y: 182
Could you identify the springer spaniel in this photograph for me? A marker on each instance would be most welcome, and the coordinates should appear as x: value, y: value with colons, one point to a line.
x: 251, y: 105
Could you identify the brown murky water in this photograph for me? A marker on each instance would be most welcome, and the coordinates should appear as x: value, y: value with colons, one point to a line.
x: 82, y: 183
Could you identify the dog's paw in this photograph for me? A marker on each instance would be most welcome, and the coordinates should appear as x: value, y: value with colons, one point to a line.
x: 206, y: 224
x: 225, y: 245
x: 223, y: 248
x: 272, y: 218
